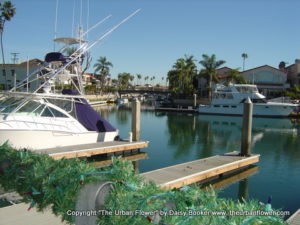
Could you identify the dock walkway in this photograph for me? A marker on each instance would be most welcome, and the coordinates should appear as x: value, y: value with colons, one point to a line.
x: 294, y: 219
x: 19, y: 215
x: 88, y: 150
x: 198, y: 170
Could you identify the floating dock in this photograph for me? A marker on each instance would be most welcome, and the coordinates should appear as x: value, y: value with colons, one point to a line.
x: 132, y: 158
x: 198, y: 170
x: 88, y: 150
x: 19, y: 215
x: 294, y: 219
x: 232, y: 177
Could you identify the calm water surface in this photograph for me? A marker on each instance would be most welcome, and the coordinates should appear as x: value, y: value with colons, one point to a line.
x: 177, y: 138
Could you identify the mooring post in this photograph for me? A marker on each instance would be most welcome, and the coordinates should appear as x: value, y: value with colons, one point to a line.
x: 195, y: 101
x: 247, y: 128
x: 136, y: 120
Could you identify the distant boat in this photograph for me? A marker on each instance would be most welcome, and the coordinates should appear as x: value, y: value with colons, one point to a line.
x: 122, y: 101
x: 229, y: 100
x: 48, y: 118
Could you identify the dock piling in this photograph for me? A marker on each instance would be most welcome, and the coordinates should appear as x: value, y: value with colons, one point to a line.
x: 136, y: 120
x: 247, y: 128
x: 195, y: 101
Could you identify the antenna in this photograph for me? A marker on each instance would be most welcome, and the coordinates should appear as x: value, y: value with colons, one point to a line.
x: 55, y: 23
x: 73, y: 20
x: 87, y: 16
x: 15, y: 58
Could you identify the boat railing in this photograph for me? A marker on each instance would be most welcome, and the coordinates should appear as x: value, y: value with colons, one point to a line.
x: 61, y: 126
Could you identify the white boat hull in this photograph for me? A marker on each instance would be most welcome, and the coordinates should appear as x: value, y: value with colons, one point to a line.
x: 41, y: 139
x: 259, y: 109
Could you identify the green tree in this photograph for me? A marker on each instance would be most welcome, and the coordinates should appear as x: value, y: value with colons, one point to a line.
x: 210, y: 64
x: 139, y: 77
x: 146, y: 78
x: 182, y: 75
x: 7, y: 12
x: 236, y: 77
x: 69, y: 50
x: 124, y: 80
x: 102, y: 66
x: 244, y: 56
x: 293, y: 92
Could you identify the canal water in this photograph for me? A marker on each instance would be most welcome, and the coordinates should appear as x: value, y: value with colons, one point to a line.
x: 177, y: 138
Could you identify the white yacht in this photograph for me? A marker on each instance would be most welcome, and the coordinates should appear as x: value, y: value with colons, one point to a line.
x: 52, y: 116
x: 229, y: 100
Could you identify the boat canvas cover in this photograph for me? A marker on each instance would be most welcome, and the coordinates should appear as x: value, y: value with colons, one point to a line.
x: 87, y: 116
x: 90, y: 119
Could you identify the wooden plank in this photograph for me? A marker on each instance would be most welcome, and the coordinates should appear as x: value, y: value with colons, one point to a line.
x: 294, y: 219
x: 224, y: 182
x: 88, y: 150
x: 142, y: 155
x: 198, y: 170
x: 18, y: 215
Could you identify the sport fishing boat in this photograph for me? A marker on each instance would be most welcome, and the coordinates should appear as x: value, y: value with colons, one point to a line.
x: 229, y: 100
x: 51, y: 116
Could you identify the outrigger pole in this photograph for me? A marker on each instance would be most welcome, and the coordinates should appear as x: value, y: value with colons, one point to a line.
x: 79, y: 55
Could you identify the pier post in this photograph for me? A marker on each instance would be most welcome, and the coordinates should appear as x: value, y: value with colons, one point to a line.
x: 136, y: 120
x: 247, y: 128
x: 195, y: 101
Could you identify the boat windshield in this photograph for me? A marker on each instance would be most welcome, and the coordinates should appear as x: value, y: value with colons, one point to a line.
x: 29, y: 108
x: 247, y: 89
x: 67, y: 105
x: 9, y: 104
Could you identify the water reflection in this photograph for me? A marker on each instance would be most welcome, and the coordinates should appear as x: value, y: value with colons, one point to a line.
x: 177, y: 138
x: 210, y: 133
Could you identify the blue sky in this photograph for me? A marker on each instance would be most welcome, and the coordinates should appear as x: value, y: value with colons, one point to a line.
x: 163, y: 31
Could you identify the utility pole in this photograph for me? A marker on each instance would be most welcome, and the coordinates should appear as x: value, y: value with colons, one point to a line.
x: 15, y: 58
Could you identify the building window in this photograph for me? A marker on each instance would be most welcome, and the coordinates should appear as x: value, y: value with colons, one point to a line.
x: 13, y: 72
x: 4, y: 72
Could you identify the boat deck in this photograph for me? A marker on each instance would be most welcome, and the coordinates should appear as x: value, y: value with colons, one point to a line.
x: 198, y: 170
x: 88, y: 150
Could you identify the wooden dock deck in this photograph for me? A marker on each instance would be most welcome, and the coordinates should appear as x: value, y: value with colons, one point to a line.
x: 18, y: 215
x: 294, y: 219
x: 198, y: 170
x: 132, y: 158
x: 88, y: 150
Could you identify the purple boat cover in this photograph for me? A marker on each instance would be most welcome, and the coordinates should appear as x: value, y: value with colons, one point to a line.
x: 88, y: 117
x: 70, y: 92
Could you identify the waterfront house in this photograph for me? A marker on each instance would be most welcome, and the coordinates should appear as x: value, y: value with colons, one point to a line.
x: 270, y: 81
x: 17, y: 72
x: 293, y: 73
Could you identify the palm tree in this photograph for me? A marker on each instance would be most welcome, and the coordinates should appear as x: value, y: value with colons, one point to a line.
x: 102, y: 66
x: 139, y: 76
x: 146, y: 78
x: 7, y: 11
x: 182, y: 75
x: 70, y: 50
x: 210, y: 65
x: 244, y: 56
x: 236, y: 77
